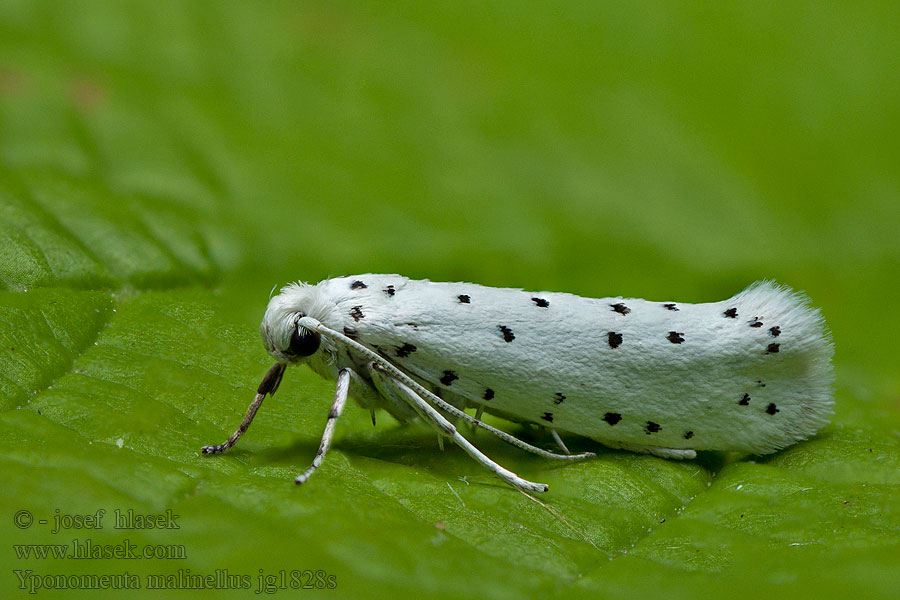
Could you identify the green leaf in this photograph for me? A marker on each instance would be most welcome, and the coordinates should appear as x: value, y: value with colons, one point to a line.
x: 163, y: 165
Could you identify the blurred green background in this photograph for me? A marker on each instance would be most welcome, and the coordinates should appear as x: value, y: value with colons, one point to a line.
x: 164, y: 164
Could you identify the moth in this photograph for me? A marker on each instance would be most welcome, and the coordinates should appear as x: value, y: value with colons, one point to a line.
x: 750, y: 374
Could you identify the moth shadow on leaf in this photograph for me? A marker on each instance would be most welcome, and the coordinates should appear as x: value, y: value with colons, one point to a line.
x: 415, y: 446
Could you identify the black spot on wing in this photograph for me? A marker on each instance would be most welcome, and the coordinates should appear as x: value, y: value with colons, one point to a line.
x: 358, y: 285
x: 745, y: 400
x: 357, y: 313
x: 541, y: 302
x: 612, y: 418
x: 675, y: 337
x: 773, y: 348
x: 389, y: 290
x: 755, y: 322
x: 775, y: 331
x: 731, y: 313
x: 620, y: 308
x: 405, y: 350
x: 688, y: 435
x: 558, y: 398
x: 671, y: 306
x: 488, y: 394
x: 449, y: 377
x: 548, y: 416
x: 760, y: 383
x: 463, y: 299
x: 350, y: 333
x: 615, y: 339
x: 772, y: 409
x: 652, y: 427
x: 508, y: 335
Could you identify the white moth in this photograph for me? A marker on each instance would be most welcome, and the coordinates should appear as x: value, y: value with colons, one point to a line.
x: 749, y: 374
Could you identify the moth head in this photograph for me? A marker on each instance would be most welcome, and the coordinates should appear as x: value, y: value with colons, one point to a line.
x: 282, y: 337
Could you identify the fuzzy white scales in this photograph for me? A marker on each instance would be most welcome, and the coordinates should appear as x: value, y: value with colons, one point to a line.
x: 752, y: 373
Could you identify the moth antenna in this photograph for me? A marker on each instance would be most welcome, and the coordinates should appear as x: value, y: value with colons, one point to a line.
x: 314, y: 325
x: 267, y: 386
x: 337, y: 407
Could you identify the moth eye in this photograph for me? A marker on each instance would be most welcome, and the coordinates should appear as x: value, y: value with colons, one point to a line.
x: 303, y: 344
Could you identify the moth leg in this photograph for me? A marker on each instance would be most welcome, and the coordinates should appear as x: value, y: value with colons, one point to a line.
x: 478, y: 413
x: 398, y: 375
x: 384, y: 387
x: 387, y: 391
x: 431, y: 415
x: 453, y: 400
x: 559, y: 441
x: 268, y: 385
x: 677, y: 453
x: 340, y: 398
